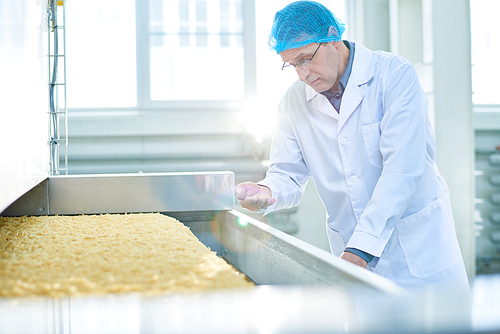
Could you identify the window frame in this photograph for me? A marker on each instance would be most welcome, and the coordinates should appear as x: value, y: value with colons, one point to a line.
x: 144, y: 101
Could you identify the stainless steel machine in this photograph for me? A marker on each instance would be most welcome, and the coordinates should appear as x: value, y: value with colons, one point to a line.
x: 204, y: 202
x: 300, y: 288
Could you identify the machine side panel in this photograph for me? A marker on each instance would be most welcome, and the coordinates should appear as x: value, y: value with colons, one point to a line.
x: 155, y: 192
x: 269, y: 256
x: 34, y: 203
x: 127, y: 193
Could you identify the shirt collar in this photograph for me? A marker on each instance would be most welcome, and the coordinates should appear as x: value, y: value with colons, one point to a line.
x: 347, y: 72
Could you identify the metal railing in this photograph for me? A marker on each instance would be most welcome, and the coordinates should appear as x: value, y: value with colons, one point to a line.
x: 58, y: 112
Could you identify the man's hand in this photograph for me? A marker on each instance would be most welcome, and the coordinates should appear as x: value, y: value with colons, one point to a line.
x: 253, y: 196
x: 353, y: 258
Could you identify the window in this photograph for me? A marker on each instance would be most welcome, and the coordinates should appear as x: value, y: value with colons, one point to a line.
x: 485, y: 32
x: 196, y: 50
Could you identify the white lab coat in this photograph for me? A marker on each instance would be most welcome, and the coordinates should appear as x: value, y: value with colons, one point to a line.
x: 374, y: 168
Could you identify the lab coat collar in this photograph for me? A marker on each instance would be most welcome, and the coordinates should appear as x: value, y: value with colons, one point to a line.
x: 310, y: 93
x: 362, y: 71
x: 320, y: 102
x: 363, y: 68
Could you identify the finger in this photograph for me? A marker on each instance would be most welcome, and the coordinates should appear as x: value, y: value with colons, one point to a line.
x: 240, y: 193
x: 249, y: 204
x: 262, y: 202
x: 270, y: 201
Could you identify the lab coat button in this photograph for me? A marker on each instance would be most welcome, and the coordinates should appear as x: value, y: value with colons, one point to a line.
x: 354, y: 179
x: 343, y: 141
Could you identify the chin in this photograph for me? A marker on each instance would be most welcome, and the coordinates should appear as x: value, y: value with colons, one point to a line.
x: 319, y: 89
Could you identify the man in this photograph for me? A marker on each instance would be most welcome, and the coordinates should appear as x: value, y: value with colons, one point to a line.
x: 357, y: 122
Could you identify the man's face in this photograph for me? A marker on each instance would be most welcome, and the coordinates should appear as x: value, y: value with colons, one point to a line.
x: 323, y: 73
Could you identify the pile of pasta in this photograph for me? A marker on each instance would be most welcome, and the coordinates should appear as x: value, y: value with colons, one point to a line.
x: 150, y: 254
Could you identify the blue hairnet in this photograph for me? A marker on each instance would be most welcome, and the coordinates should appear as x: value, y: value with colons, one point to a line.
x: 304, y: 22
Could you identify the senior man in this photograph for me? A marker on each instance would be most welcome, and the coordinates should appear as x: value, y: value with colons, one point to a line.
x: 357, y: 122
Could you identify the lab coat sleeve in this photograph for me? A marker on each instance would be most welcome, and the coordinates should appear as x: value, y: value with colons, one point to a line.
x: 403, y: 149
x: 288, y: 174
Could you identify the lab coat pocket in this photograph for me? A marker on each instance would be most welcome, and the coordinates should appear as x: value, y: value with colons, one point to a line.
x: 336, y: 242
x: 371, y: 137
x: 428, y: 240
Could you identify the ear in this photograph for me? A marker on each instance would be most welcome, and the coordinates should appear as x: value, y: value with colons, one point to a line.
x: 334, y: 44
x: 332, y: 32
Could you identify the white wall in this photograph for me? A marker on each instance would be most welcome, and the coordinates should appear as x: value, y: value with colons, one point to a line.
x: 24, y: 152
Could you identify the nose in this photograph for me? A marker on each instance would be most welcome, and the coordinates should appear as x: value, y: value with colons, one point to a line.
x: 303, y: 72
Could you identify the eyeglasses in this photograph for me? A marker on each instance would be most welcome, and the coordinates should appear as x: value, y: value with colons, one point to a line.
x: 303, y: 62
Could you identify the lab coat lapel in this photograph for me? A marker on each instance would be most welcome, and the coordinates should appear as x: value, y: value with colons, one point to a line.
x: 350, y: 100
x: 362, y: 72
x: 320, y: 103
